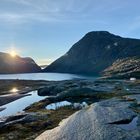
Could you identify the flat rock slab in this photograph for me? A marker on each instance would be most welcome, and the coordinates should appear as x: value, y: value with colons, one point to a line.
x: 10, y: 98
x: 21, y: 118
x: 1, y: 109
x: 97, y: 122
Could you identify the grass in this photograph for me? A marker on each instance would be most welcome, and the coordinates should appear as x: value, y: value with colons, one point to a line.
x: 29, y: 131
x: 32, y: 130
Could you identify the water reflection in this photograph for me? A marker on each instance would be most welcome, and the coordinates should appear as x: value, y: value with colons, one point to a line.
x: 57, y: 105
x: 20, y: 104
x: 75, y: 105
x: 45, y: 76
x: 14, y: 90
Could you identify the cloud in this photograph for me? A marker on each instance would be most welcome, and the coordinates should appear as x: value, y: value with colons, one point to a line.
x: 25, y: 2
x: 11, y: 18
x: 32, y: 11
x: 24, y: 11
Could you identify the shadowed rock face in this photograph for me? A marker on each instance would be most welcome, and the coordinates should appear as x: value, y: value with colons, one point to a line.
x: 124, y: 68
x: 17, y: 64
x: 95, y: 52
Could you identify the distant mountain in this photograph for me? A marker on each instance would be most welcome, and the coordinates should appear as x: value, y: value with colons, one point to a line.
x: 9, y: 64
x: 43, y: 66
x: 95, y: 52
x: 124, y: 68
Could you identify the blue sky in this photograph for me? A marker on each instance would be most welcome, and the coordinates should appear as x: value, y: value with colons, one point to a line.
x: 46, y: 29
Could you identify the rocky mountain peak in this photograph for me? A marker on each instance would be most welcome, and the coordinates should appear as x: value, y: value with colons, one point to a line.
x: 95, y: 52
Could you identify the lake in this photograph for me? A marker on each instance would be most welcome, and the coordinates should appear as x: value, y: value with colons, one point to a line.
x: 20, y: 104
x: 45, y: 76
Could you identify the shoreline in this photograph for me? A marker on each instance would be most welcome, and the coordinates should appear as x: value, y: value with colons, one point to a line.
x: 23, y: 87
x: 37, y: 116
x: 10, y: 98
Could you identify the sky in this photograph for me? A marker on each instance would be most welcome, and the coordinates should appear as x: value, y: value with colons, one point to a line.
x: 47, y: 29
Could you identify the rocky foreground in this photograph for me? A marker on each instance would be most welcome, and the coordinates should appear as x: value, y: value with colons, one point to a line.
x: 111, y: 111
x: 124, y: 68
x: 110, y: 119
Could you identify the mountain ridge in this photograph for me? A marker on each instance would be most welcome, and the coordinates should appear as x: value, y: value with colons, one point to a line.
x: 96, y: 51
x: 17, y: 64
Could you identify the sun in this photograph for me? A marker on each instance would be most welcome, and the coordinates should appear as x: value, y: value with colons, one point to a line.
x: 13, y: 53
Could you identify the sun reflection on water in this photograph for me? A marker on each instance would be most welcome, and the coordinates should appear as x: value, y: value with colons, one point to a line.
x: 14, y: 90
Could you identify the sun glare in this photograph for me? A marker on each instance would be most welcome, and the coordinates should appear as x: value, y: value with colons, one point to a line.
x: 14, y: 89
x: 13, y: 53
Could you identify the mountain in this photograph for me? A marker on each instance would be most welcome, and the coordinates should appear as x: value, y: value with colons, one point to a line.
x: 124, y: 68
x: 9, y: 64
x: 43, y: 66
x: 95, y: 52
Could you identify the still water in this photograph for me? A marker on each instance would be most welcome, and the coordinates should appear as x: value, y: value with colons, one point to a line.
x: 45, y: 76
x: 57, y: 105
x: 20, y: 104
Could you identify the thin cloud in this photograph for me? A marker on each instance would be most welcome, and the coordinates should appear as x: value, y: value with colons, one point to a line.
x: 48, y: 10
x: 33, y: 11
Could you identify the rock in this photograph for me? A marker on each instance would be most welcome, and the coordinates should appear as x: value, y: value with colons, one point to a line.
x: 5, y: 99
x: 124, y: 68
x: 133, y: 98
x: 77, y: 106
x: 84, y: 105
x: 98, y: 122
x: 95, y: 52
x: 50, y: 90
x: 75, y: 88
x: 17, y: 64
x: 21, y: 118
x: 2, y: 108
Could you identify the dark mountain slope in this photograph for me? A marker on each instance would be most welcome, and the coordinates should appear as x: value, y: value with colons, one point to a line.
x: 9, y: 64
x: 95, y: 52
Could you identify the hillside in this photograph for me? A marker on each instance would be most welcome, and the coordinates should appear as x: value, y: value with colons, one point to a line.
x: 9, y: 64
x: 95, y: 52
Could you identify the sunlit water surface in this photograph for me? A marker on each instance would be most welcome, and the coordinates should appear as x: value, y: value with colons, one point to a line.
x: 20, y: 104
x: 45, y: 76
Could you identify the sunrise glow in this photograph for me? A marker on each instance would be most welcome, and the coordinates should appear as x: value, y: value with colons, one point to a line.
x: 13, y: 53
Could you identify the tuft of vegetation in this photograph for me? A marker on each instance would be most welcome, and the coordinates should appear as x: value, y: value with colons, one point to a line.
x: 29, y: 131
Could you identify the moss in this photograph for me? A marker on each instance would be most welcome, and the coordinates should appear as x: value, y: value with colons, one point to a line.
x: 28, y: 131
x: 37, y: 106
x: 33, y: 129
